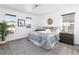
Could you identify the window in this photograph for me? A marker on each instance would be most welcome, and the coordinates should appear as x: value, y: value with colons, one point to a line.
x: 11, y: 20
x: 28, y: 22
x: 68, y: 22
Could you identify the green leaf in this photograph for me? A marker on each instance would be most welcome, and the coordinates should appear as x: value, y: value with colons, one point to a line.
x: 3, y: 29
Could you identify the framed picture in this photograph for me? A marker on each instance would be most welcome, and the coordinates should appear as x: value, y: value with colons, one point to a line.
x: 21, y: 22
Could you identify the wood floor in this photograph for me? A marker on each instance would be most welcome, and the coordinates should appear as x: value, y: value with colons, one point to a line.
x: 25, y: 47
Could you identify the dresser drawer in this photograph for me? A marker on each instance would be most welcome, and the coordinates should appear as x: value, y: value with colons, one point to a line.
x: 67, y: 38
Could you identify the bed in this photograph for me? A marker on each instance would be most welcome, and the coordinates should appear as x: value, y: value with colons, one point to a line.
x: 45, y: 40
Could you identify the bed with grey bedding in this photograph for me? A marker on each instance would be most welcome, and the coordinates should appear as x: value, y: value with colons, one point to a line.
x: 44, y: 40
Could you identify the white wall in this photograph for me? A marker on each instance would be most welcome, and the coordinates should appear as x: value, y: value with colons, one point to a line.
x: 57, y: 19
x: 20, y: 32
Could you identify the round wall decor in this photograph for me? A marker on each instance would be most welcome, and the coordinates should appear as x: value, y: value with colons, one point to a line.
x: 50, y: 21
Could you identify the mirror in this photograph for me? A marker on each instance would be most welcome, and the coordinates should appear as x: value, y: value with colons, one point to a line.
x: 50, y: 21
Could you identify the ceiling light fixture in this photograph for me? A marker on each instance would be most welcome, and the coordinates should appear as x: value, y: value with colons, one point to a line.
x: 36, y: 6
x: 32, y: 7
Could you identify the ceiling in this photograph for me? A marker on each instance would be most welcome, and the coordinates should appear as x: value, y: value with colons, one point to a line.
x: 41, y: 9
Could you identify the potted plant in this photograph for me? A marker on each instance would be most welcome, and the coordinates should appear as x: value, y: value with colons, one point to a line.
x: 4, y: 31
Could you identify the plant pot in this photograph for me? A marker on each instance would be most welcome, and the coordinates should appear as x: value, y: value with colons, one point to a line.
x: 3, y: 42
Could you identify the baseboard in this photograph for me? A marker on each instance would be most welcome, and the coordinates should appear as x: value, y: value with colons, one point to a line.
x: 76, y: 44
x: 18, y: 39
